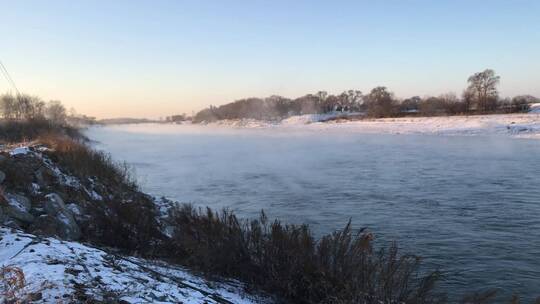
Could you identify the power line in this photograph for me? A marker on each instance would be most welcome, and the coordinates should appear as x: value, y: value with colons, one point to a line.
x: 8, y: 77
x: 5, y: 76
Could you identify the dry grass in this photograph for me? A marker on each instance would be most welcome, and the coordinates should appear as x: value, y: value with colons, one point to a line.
x: 27, y: 130
x: 12, y: 283
x: 85, y: 162
x: 13, y: 287
x: 128, y: 219
x: 288, y: 261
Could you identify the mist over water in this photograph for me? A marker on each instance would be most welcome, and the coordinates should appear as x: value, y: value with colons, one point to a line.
x: 469, y: 205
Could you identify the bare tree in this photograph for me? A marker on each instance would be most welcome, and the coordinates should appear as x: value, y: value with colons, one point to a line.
x: 21, y: 106
x: 410, y: 105
x: 38, y: 108
x: 322, y: 95
x: 468, y: 99
x: 483, y: 88
x: 56, y: 112
x: 431, y: 106
x: 381, y: 103
x: 7, y: 105
x: 351, y: 100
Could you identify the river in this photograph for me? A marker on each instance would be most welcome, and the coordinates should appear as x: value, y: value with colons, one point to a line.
x: 469, y: 205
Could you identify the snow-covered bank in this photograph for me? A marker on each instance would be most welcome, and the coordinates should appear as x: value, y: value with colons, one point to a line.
x: 519, y: 125
x: 56, y: 271
x: 45, y: 207
x: 516, y: 125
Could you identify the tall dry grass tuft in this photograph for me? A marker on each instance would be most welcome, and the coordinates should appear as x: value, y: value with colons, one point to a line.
x: 12, y: 283
x: 286, y: 260
x: 85, y: 162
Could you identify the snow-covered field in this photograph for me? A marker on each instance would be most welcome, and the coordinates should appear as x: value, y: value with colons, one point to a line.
x: 517, y: 125
x: 58, y: 271
x: 521, y: 125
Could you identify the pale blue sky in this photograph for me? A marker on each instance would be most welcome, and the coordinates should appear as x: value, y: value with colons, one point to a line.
x: 155, y: 58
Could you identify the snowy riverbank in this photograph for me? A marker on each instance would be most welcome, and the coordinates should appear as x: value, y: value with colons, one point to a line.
x: 58, y: 271
x: 516, y: 125
x: 35, y: 268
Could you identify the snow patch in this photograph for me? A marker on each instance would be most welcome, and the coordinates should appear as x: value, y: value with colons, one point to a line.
x: 65, y: 179
x: 74, y: 208
x: 35, y: 188
x: 95, y: 196
x: 19, y: 151
x: 14, y: 202
x: 58, y: 268
x: 313, y: 118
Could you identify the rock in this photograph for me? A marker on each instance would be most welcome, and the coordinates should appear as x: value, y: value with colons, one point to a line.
x: 12, y: 223
x: 69, y: 228
x: 75, y: 209
x: 17, y: 199
x: 44, y: 177
x: 2, y: 177
x: 17, y: 214
x: 19, y: 151
x: 36, y: 296
x: 18, y: 207
x: 54, y: 204
x: 39, y: 177
x: 65, y: 224
x: 45, y: 225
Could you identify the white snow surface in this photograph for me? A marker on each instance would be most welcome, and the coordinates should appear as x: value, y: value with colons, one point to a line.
x: 515, y: 125
x: 12, y: 200
x: 19, y: 150
x: 312, y: 118
x: 55, y: 268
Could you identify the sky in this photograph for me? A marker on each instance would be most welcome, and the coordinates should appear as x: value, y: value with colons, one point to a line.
x: 158, y: 58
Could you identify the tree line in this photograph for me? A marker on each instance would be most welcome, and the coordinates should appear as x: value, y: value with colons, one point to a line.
x: 480, y: 97
x: 26, y: 107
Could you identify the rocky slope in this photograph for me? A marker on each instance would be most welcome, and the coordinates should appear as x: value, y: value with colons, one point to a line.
x: 47, y: 213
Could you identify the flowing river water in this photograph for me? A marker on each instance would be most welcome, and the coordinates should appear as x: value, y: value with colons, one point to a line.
x: 469, y: 205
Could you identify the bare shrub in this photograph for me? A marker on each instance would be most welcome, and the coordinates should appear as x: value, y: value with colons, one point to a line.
x: 13, y: 287
x: 286, y: 260
x: 12, y: 283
